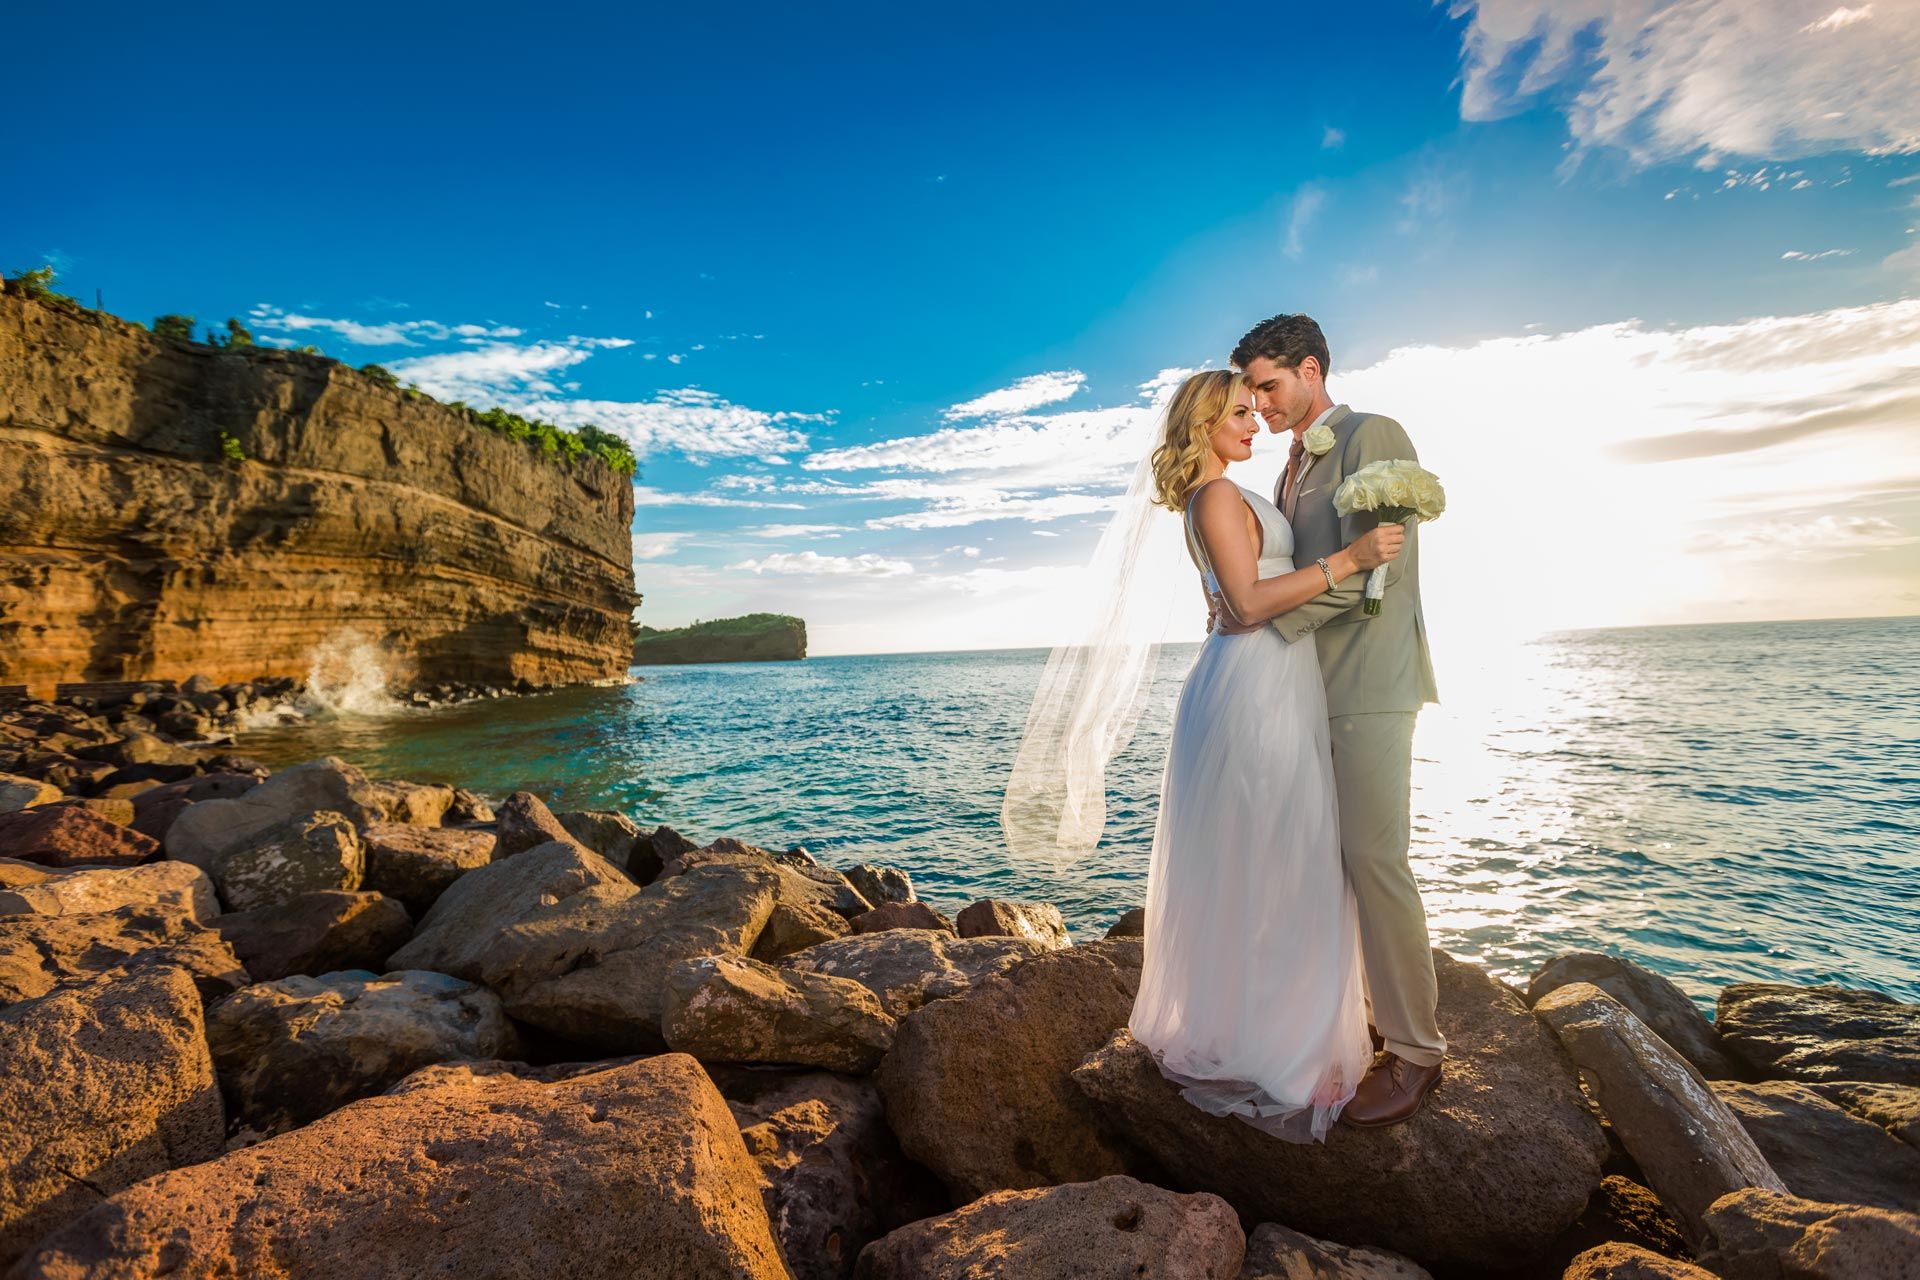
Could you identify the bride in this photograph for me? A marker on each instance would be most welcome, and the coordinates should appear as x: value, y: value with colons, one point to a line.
x: 1253, y: 996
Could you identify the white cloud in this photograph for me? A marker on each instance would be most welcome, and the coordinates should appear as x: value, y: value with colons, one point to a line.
x: 797, y: 531
x: 1826, y: 537
x: 648, y: 496
x: 1029, y: 392
x: 403, y: 333
x: 1306, y: 206
x: 1795, y: 255
x: 1904, y: 261
x: 692, y: 422
x: 1676, y: 79
x: 489, y: 374
x: 655, y: 546
x: 813, y: 564
x: 1333, y: 139
x: 975, y: 506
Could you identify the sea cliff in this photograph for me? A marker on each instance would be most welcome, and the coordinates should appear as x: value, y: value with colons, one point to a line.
x: 757, y: 637
x: 170, y: 508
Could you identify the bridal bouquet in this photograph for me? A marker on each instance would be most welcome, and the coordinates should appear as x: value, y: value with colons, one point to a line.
x: 1396, y: 490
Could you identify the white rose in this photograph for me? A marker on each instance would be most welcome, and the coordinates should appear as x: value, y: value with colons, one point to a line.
x: 1318, y: 439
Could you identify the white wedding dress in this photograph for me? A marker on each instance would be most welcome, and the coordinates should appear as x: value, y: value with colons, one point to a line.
x: 1253, y: 993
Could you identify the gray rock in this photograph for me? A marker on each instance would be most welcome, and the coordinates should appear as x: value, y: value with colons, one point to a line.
x: 1114, y: 1228
x: 305, y: 854
x: 171, y: 888
x: 24, y: 793
x: 156, y: 808
x: 908, y: 967
x: 1501, y: 1159
x: 102, y: 1083
x: 416, y: 864
x: 880, y: 884
x: 728, y: 1008
x: 978, y: 1087
x: 457, y: 933
x: 1040, y: 921
x: 1823, y: 1151
x: 1692, y: 1149
x: 1663, y: 1007
x: 317, y: 933
x: 289, y: 1052
x: 1765, y: 1235
x: 39, y: 952
x: 1276, y: 1253
x: 208, y: 829
x: 1821, y: 1033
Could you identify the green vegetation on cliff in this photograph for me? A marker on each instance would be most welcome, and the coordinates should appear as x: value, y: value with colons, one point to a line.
x: 757, y: 637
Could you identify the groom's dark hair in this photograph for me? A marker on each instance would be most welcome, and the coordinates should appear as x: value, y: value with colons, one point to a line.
x: 1285, y: 340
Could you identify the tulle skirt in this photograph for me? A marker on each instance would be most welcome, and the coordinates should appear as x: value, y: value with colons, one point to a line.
x: 1253, y: 994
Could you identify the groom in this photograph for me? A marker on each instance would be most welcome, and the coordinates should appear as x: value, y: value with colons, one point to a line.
x: 1378, y: 676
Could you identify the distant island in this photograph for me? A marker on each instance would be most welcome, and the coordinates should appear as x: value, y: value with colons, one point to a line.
x: 757, y: 637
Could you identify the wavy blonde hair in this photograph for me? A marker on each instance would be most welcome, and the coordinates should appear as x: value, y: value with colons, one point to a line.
x: 1186, y: 437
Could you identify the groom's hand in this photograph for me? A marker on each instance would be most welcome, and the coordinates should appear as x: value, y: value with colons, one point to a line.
x: 1218, y: 619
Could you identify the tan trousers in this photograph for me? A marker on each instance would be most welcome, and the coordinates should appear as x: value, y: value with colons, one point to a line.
x: 1372, y: 773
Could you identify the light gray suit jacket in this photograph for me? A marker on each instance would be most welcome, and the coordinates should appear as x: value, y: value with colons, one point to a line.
x: 1370, y: 664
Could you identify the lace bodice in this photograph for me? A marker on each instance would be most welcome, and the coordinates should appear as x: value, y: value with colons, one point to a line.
x: 1276, y: 541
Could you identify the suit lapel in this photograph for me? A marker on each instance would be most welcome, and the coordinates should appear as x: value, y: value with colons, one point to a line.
x: 1341, y: 421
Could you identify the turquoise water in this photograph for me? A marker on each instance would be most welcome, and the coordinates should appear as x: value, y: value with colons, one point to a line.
x: 1724, y: 803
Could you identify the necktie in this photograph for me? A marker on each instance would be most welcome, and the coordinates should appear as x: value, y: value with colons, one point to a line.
x: 1292, y: 479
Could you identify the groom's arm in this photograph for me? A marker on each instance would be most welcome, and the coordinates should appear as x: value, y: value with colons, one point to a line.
x: 1375, y: 440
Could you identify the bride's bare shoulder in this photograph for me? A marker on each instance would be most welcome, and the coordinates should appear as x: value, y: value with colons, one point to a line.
x: 1217, y: 494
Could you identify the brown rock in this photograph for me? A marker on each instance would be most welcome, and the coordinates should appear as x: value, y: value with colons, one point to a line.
x: 38, y: 952
x: 794, y: 926
x: 468, y: 807
x: 420, y: 804
x: 653, y: 851
x: 1821, y: 1033
x: 289, y: 1052
x: 880, y: 884
x: 1131, y: 924
x: 1039, y: 921
x: 728, y: 1008
x: 1501, y: 1159
x: 1624, y: 1212
x: 1617, y: 1261
x: 416, y: 864
x: 524, y: 822
x: 317, y: 933
x: 171, y: 888
x: 102, y: 1083
x: 1894, y: 1107
x: 114, y: 810
x: 311, y: 853
x: 908, y: 967
x: 1111, y: 1228
x: 1823, y: 1151
x: 155, y: 808
x: 800, y: 882
x: 1663, y: 1007
x: 634, y: 1171
x: 978, y: 1086
x: 1692, y: 1149
x: 58, y: 835
x: 210, y: 829
x: 611, y: 835
x: 901, y: 915
x: 1276, y: 1253
x: 1765, y: 1235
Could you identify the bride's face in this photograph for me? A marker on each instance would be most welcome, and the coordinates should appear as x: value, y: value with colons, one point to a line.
x: 1233, y: 435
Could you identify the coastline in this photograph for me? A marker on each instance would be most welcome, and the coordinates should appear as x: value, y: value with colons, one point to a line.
x: 969, y: 1071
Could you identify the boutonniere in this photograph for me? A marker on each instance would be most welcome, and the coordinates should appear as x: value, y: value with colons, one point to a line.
x: 1318, y: 439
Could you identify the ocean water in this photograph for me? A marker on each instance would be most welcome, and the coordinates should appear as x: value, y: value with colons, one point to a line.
x: 1723, y: 803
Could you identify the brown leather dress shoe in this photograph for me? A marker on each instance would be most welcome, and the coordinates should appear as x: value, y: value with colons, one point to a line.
x: 1391, y: 1093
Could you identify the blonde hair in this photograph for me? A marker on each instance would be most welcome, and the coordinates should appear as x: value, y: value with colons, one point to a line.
x: 1186, y: 439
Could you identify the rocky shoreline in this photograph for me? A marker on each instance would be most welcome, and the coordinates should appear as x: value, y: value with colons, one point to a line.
x: 308, y: 1023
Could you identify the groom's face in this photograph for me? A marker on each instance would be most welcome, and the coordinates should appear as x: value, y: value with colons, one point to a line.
x: 1280, y: 394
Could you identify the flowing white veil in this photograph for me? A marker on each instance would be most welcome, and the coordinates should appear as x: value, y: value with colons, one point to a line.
x: 1093, y: 690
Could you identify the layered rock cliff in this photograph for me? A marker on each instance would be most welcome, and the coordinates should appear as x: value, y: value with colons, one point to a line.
x: 134, y: 546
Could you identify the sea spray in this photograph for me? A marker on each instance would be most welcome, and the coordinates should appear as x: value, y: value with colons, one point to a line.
x: 347, y: 675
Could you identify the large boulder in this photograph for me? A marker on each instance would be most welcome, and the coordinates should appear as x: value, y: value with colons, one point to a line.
x: 1821, y: 1033
x: 1665, y: 1009
x: 1894, y: 1107
x: 801, y: 882
x: 992, y: 917
x: 917, y: 914
x: 39, y: 952
x: 524, y: 822
x: 611, y: 835
x: 208, y: 829
x: 419, y: 804
x: 1618, y: 1261
x: 728, y: 1008
x: 64, y: 835
x: 880, y: 884
x: 978, y: 1086
x: 634, y: 1171
x: 156, y: 808
x: 317, y: 933
x: 307, y: 853
x: 1691, y: 1148
x: 833, y: 1176
x: 908, y: 967
x: 1765, y: 1235
x: 289, y: 1052
x: 102, y: 1083
x: 1277, y: 1253
x: 585, y: 954
x: 795, y: 926
x: 167, y: 887
x: 415, y: 864
x: 18, y: 793
x: 1111, y: 1229
x: 1821, y: 1150
x: 1500, y: 1160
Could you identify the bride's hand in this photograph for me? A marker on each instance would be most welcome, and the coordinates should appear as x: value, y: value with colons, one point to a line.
x: 1373, y: 549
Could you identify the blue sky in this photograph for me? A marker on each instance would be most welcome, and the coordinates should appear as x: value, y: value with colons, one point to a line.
x: 876, y: 292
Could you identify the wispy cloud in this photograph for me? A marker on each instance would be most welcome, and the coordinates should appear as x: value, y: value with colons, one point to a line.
x: 1796, y: 255
x: 395, y: 333
x: 1306, y: 206
x: 648, y: 496
x: 813, y: 564
x: 1333, y: 139
x: 1028, y: 393
x: 655, y: 546
x: 797, y: 531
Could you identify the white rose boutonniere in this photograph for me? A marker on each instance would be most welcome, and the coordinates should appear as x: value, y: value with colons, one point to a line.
x: 1318, y: 439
